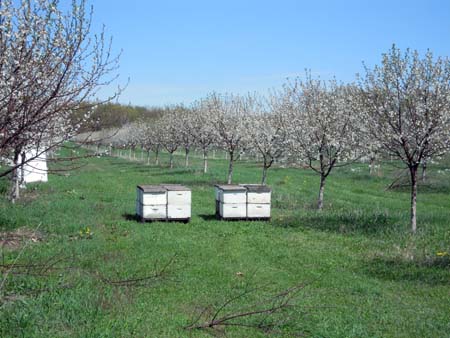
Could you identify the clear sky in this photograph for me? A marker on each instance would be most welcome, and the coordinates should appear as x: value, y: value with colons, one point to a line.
x: 178, y: 51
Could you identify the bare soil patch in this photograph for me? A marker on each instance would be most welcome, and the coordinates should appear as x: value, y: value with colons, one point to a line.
x: 14, y: 240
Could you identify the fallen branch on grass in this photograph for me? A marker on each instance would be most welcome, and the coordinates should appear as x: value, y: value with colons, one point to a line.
x: 49, y: 267
x: 34, y: 269
x: 260, y: 315
x: 158, y: 274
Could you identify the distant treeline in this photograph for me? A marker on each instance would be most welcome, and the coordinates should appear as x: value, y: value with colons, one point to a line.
x: 113, y: 115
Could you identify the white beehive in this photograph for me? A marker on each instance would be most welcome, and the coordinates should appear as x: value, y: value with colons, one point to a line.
x: 151, y: 195
x: 151, y: 203
x: 232, y: 194
x: 179, y: 212
x: 178, y: 202
x: 258, y: 210
x: 153, y: 212
x: 233, y: 210
x: 163, y: 202
x: 35, y: 170
x: 258, y: 201
x: 231, y: 201
x: 258, y: 194
x: 244, y: 201
x: 178, y: 194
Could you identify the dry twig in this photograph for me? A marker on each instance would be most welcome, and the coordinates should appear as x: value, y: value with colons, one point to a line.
x: 264, y: 311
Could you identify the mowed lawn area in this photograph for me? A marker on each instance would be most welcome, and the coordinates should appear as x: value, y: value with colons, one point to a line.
x: 93, y: 271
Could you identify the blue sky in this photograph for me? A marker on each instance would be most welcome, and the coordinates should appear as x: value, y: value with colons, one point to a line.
x: 178, y: 51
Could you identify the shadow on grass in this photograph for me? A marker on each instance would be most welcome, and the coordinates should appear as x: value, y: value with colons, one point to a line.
x: 210, y: 217
x: 131, y: 217
x: 351, y: 222
x: 433, y: 271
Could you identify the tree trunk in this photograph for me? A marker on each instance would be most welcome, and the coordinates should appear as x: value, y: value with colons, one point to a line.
x: 424, y: 171
x: 157, y: 157
x: 372, y: 166
x: 148, y: 157
x: 22, y: 171
x: 14, y: 193
x: 205, y: 161
x: 264, y: 173
x: 321, y: 189
x: 413, y: 172
x: 230, y: 168
x: 186, y: 160
x: 171, y: 160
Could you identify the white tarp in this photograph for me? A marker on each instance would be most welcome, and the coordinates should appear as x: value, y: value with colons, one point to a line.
x: 36, y: 169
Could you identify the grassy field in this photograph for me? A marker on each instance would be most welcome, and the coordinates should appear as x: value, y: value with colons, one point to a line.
x: 93, y: 271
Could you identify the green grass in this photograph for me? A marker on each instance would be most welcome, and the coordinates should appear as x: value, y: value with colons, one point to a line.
x: 365, y: 274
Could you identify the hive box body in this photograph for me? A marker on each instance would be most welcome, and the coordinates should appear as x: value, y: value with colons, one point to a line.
x: 36, y: 169
x: 151, y: 195
x: 228, y: 210
x: 232, y: 194
x: 258, y: 194
x: 178, y: 194
x: 258, y: 198
x: 178, y: 211
x: 156, y: 212
x: 258, y: 210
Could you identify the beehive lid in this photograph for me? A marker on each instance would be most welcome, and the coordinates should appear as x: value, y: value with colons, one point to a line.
x: 175, y: 187
x: 152, y: 188
x: 257, y: 188
x: 231, y: 187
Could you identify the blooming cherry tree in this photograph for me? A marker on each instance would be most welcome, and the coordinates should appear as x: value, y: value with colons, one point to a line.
x: 186, y: 130
x: 170, y: 126
x: 203, y: 130
x: 50, y: 64
x: 406, y: 104
x: 323, y: 126
x: 267, y: 130
x: 228, y: 114
x: 151, y: 138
